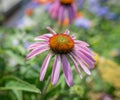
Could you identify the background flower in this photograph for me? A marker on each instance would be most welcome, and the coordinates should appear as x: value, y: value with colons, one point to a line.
x: 60, y: 9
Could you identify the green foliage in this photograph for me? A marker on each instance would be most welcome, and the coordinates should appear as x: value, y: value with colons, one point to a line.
x: 14, y: 83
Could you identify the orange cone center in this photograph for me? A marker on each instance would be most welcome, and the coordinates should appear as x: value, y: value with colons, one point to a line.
x: 61, y: 43
x: 66, y: 2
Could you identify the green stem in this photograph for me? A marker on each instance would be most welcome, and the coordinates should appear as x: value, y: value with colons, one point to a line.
x: 45, y: 88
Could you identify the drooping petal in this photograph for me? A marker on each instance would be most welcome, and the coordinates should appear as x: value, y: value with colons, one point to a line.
x: 76, y: 65
x: 38, y: 45
x: 36, y: 52
x: 90, y: 57
x: 54, y: 7
x: 81, y: 64
x: 55, y: 10
x: 81, y: 43
x: 45, y: 66
x: 54, y: 14
x: 67, y: 71
x: 51, y: 30
x: 43, y: 37
x: 56, y: 69
x: 85, y: 50
x: 74, y: 8
x: 61, y: 14
x: 85, y: 59
x: 70, y: 13
x: 86, y: 55
x: 34, y: 44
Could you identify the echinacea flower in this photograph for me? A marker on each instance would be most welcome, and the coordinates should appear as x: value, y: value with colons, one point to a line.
x: 62, y: 46
x: 61, y: 9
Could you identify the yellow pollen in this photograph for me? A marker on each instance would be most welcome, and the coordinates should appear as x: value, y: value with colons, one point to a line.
x: 66, y: 2
x: 61, y: 43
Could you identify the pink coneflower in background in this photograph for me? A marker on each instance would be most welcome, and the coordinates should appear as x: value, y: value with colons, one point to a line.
x: 62, y: 9
x: 62, y: 46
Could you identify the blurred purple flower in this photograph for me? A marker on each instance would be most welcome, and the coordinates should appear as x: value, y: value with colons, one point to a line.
x: 102, y: 1
x: 80, y: 3
x: 62, y: 46
x: 95, y: 7
x: 111, y: 16
x: 33, y: 4
x: 15, y: 42
x: 26, y: 44
x: 83, y: 22
x: 102, y: 11
x: 92, y: 3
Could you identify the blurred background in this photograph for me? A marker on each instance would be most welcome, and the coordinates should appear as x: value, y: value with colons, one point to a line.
x: 97, y: 23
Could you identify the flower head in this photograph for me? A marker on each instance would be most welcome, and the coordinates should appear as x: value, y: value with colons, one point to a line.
x: 63, y: 46
x: 63, y: 8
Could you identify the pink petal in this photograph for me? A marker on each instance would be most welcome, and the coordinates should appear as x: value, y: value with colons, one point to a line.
x: 87, y: 53
x: 76, y: 65
x: 67, y: 32
x: 67, y: 71
x: 54, y: 14
x: 55, y: 10
x: 70, y: 14
x: 38, y: 45
x: 79, y: 47
x: 44, y: 37
x: 81, y: 43
x: 74, y: 10
x: 90, y: 57
x: 45, y: 66
x: 34, y: 44
x: 83, y: 50
x: 54, y: 7
x: 56, y: 70
x: 36, y: 52
x: 85, y: 59
x: 51, y: 30
x: 81, y: 64
x: 73, y: 36
x: 61, y: 14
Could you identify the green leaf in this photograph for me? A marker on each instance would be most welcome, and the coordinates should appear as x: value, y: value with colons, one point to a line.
x: 18, y: 59
x: 18, y: 94
x: 14, y: 83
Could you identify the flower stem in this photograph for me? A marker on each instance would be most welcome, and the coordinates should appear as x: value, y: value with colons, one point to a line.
x: 45, y: 88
